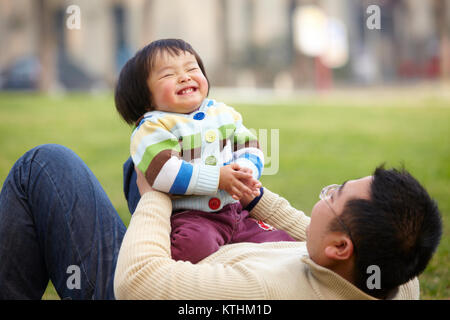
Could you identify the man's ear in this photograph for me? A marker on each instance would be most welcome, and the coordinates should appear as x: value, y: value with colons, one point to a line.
x: 340, y: 248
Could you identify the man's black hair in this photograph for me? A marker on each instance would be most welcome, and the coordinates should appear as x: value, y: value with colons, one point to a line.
x: 397, y: 230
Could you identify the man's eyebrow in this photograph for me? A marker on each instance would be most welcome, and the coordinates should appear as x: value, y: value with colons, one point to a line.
x: 342, y: 187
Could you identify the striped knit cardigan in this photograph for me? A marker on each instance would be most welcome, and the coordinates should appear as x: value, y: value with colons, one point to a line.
x: 181, y: 154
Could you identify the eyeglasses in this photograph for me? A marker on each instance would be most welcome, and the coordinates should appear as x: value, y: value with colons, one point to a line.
x: 326, y: 195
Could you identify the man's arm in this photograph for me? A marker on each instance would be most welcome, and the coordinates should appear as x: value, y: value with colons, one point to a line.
x: 145, y: 269
x: 277, y: 211
x: 409, y: 290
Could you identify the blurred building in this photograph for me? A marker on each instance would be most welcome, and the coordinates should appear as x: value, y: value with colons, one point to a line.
x: 242, y: 42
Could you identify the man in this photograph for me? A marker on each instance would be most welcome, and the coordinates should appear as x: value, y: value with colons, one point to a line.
x: 57, y: 222
x: 367, y: 238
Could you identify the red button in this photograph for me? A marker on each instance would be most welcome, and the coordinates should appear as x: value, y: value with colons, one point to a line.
x: 214, y: 203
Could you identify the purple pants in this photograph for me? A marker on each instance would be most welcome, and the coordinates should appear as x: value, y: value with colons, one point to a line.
x: 197, y: 234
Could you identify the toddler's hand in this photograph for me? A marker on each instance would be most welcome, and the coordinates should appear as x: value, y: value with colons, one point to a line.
x: 251, y: 182
x: 237, y: 181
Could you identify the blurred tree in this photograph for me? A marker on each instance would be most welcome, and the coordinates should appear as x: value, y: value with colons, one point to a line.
x: 146, y: 34
x: 46, y: 45
x: 442, y: 18
x: 222, y: 20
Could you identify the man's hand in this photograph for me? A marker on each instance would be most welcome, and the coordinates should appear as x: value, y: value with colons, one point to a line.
x: 238, y: 182
x: 142, y: 182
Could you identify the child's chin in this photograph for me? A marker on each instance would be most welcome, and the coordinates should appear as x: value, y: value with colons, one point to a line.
x: 189, y: 108
x: 193, y: 104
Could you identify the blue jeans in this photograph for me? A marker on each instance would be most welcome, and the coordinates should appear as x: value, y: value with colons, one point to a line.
x: 56, y: 222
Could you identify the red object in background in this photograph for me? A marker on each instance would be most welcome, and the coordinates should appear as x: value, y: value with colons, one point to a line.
x: 432, y: 68
x: 429, y: 69
x: 323, y: 75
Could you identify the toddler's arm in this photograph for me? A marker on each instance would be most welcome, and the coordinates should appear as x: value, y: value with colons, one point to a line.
x: 246, y: 149
x: 156, y: 152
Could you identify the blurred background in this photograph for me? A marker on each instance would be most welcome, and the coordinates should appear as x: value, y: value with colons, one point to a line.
x: 348, y: 84
x: 271, y: 44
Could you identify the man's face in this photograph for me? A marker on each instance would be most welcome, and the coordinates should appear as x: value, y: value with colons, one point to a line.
x: 318, y: 236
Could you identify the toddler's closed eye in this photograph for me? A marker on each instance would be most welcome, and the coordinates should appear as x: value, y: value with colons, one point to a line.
x: 167, y: 75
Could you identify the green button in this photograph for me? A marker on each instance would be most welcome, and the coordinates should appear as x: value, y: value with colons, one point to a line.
x: 211, y: 161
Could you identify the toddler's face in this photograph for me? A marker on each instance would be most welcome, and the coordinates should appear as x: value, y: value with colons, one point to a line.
x: 176, y: 82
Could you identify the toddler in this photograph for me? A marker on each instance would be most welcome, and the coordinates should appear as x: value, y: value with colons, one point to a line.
x: 194, y: 148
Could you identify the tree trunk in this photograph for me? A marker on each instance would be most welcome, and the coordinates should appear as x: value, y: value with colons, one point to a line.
x: 442, y: 18
x: 46, y: 46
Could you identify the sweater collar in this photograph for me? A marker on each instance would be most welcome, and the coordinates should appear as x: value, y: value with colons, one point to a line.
x: 331, y: 286
x: 206, y: 102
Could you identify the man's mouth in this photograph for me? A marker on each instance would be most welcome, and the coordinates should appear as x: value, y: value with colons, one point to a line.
x: 187, y: 90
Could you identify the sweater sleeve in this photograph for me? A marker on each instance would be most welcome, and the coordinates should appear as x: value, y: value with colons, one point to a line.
x: 409, y: 290
x: 156, y: 153
x: 145, y: 269
x: 278, y: 212
x: 247, y: 152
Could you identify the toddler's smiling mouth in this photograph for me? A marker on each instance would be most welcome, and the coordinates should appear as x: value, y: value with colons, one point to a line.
x: 187, y: 90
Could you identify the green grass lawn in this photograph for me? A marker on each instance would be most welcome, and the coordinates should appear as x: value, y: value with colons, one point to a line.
x: 320, y: 142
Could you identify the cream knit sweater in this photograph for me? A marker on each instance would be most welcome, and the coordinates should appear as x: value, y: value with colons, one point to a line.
x: 273, y: 270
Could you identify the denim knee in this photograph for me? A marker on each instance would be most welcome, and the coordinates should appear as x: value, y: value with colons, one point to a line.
x: 48, y: 152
